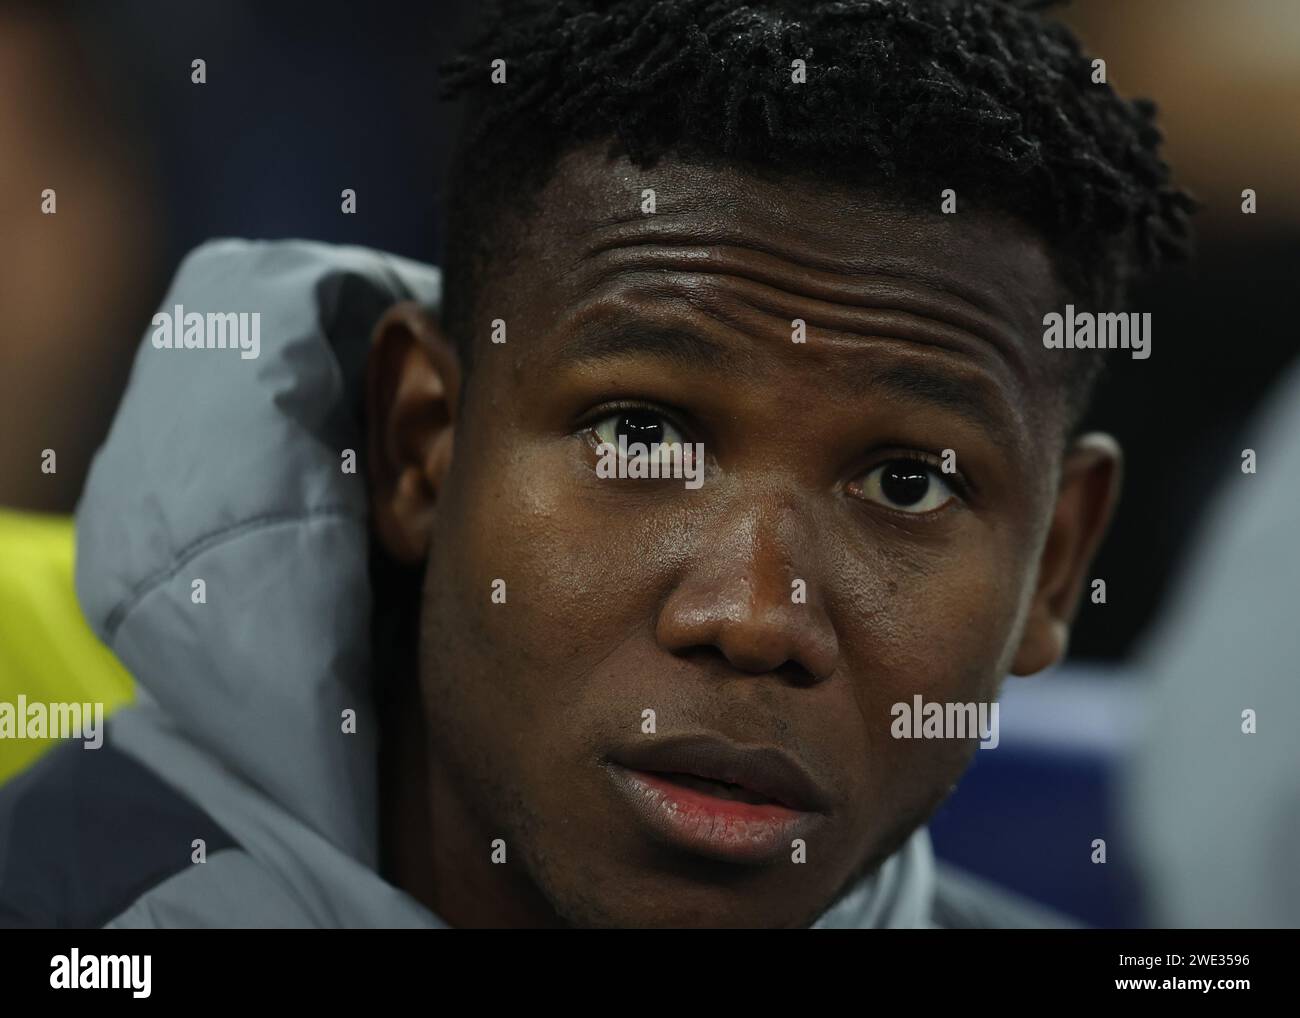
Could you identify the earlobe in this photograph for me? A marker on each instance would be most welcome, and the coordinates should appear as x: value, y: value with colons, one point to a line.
x: 413, y: 381
x: 1085, y: 503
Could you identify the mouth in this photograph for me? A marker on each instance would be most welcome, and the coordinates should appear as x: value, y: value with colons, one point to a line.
x: 716, y: 799
x: 717, y: 789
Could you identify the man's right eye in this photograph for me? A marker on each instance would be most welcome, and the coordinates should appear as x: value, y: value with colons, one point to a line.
x: 636, y: 425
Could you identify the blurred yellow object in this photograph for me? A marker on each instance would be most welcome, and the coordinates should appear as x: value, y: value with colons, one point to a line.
x: 47, y: 651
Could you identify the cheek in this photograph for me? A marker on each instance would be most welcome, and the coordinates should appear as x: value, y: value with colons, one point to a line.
x: 940, y: 624
x: 578, y: 574
x: 938, y: 621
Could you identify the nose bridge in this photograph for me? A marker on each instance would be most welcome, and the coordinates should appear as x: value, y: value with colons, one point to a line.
x: 772, y: 544
x: 739, y: 594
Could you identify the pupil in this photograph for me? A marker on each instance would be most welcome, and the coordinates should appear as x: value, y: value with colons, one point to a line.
x: 640, y: 427
x: 904, y: 483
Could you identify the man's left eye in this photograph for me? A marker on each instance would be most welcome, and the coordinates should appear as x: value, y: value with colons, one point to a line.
x: 909, y: 486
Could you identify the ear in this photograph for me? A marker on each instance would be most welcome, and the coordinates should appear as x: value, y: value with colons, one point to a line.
x: 1085, y: 502
x: 413, y: 380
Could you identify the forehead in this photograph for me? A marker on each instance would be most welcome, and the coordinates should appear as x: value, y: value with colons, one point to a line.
x: 851, y: 262
x: 989, y: 259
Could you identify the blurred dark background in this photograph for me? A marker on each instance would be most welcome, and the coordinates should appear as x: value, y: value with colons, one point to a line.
x: 96, y: 101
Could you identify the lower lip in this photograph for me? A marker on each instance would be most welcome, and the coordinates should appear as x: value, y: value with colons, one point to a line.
x: 721, y: 829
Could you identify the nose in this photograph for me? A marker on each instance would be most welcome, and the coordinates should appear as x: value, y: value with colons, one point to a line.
x: 740, y: 597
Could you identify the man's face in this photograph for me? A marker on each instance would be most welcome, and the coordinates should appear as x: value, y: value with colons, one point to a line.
x: 826, y: 569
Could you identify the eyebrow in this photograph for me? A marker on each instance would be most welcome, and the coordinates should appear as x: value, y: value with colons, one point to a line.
x: 940, y: 389
x: 681, y: 346
x: 909, y: 383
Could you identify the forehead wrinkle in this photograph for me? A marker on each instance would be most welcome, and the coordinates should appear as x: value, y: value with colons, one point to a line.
x: 662, y: 231
x: 880, y: 292
x: 742, y: 293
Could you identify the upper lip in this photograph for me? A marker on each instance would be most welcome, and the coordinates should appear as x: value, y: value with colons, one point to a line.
x: 762, y: 769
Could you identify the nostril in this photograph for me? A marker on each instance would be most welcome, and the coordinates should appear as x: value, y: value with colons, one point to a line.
x: 714, y: 661
x: 795, y: 674
x: 760, y: 648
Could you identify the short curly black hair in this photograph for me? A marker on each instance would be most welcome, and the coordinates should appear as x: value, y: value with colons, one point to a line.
x: 989, y: 97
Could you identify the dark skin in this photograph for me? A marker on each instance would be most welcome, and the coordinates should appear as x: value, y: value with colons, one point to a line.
x: 624, y: 595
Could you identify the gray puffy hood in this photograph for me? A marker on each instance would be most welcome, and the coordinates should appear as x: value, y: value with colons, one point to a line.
x: 228, y: 469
